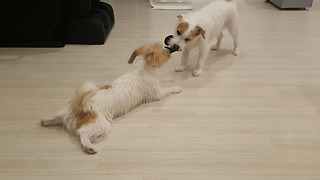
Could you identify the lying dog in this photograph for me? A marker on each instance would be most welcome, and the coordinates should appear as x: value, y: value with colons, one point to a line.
x: 91, y: 110
x: 199, y: 29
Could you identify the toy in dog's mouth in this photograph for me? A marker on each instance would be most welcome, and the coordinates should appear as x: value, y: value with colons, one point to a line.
x: 171, y: 49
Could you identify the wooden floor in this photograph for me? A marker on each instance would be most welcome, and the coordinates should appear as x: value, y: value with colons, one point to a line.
x: 251, y: 117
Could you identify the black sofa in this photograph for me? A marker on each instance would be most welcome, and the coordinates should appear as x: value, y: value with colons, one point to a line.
x: 54, y: 23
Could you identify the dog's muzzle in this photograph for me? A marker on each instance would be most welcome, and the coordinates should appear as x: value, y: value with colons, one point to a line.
x: 167, y: 42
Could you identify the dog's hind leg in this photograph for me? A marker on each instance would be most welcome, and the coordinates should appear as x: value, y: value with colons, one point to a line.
x: 92, y: 132
x: 88, y: 147
x: 56, y: 120
x: 217, y: 46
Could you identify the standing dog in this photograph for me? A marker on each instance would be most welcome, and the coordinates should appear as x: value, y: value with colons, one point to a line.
x: 91, y: 110
x: 199, y: 29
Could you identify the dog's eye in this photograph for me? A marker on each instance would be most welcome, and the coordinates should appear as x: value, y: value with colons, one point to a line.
x: 187, y: 39
x: 179, y: 33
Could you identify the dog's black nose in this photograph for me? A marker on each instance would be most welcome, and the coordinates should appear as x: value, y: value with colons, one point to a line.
x: 176, y: 46
x: 167, y: 40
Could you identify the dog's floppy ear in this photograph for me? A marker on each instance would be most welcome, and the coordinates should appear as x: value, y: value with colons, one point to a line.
x: 180, y: 17
x: 199, y: 30
x: 136, y: 53
x: 151, y: 59
x: 133, y: 56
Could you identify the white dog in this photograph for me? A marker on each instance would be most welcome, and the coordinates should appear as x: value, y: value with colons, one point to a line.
x: 208, y: 22
x: 91, y: 111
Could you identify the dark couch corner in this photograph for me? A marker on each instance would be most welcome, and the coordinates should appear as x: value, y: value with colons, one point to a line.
x: 54, y: 23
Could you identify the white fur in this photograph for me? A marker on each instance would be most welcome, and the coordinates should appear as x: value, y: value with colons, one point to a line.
x: 212, y: 18
x: 139, y: 85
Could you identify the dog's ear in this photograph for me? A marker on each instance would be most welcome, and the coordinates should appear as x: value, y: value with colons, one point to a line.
x: 156, y: 58
x: 151, y: 59
x: 199, y: 31
x: 133, y: 56
x: 180, y: 17
x: 136, y: 53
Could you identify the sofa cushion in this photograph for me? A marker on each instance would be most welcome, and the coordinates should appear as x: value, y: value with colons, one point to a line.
x: 72, y: 9
x: 29, y: 20
x: 92, y: 29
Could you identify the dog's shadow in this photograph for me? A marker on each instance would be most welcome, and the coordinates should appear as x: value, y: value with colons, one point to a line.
x: 154, y: 107
x: 216, y: 62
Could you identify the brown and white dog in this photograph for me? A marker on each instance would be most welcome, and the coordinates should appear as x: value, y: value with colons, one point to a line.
x: 199, y: 29
x: 91, y: 110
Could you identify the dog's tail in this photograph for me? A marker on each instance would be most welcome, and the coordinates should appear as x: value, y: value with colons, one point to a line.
x: 76, y: 103
x: 77, y: 106
x: 86, y: 87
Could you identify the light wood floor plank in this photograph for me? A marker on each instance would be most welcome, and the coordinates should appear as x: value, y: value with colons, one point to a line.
x: 250, y: 117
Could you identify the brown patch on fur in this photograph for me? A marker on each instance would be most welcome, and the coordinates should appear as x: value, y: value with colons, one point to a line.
x: 155, y: 54
x: 182, y: 27
x: 77, y: 109
x: 106, y: 87
x: 195, y: 32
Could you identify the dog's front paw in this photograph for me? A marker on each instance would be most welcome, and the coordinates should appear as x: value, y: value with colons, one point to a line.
x: 89, y: 150
x: 197, y: 72
x: 236, y: 51
x: 43, y: 123
x: 215, y: 47
x: 176, y: 90
x: 180, y: 68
